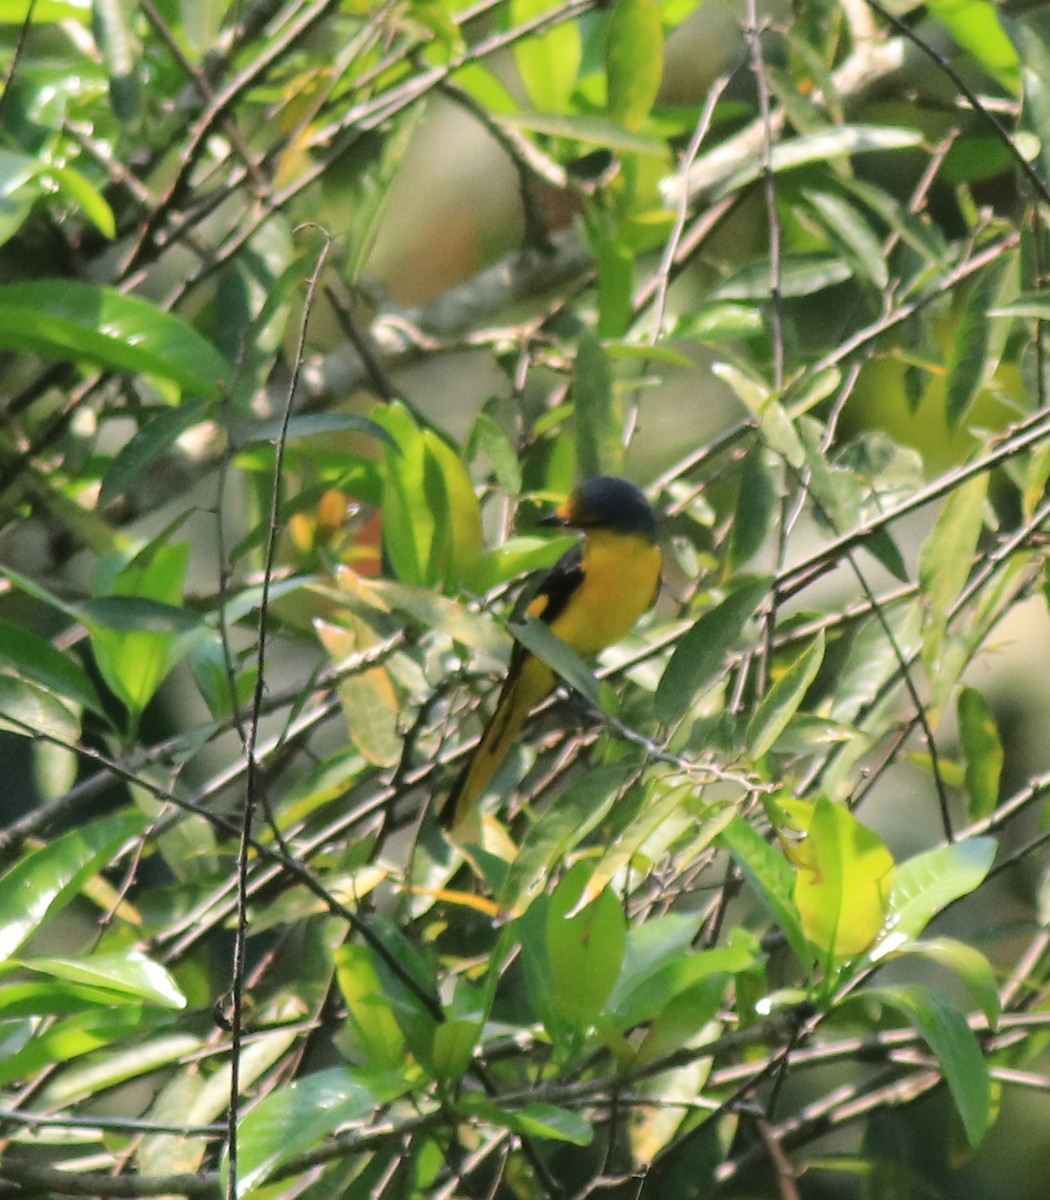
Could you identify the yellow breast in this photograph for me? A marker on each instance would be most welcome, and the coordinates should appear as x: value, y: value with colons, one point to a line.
x: 621, y: 576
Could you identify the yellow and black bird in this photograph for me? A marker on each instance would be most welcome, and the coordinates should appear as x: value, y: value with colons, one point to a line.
x: 592, y: 597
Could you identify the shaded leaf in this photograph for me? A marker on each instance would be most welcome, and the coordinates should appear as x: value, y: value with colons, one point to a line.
x: 953, y: 1042
x: 756, y: 507
x: 982, y: 750
x: 701, y: 650
x: 783, y: 699
x: 301, y: 1114
x: 585, y: 948
x: 599, y: 450
x: 151, y: 443
x: 536, y: 1119
x: 770, y: 875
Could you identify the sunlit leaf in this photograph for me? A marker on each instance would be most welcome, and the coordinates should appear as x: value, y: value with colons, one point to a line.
x: 927, y: 883
x: 132, y: 976
x: 369, y: 698
x: 80, y: 322
x: 548, y: 62
x: 43, y: 881
x: 842, y: 887
x: 976, y: 27
x: 634, y: 60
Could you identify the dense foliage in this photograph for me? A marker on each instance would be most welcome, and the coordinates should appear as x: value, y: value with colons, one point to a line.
x: 260, y: 558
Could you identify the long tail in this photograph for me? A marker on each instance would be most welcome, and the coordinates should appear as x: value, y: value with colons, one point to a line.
x: 525, y: 686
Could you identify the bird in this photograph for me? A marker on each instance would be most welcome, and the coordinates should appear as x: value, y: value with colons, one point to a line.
x: 591, y: 598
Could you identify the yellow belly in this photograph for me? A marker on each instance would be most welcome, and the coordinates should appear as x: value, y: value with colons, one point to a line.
x: 621, y: 574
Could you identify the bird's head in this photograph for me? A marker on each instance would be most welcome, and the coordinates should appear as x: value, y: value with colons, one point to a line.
x: 605, y: 503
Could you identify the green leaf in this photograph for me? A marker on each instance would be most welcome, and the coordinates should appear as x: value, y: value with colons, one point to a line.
x: 770, y: 875
x: 668, y: 980
x: 43, y: 881
x: 945, y: 562
x: 84, y: 193
x: 953, y: 1042
x: 369, y: 1011
x: 774, y: 423
x: 37, y: 661
x: 301, y: 1114
x: 458, y: 540
x: 720, y: 322
x: 15, y: 12
x: 129, y: 1058
x: 782, y: 700
x: 838, y: 141
x: 128, y: 977
x: 970, y: 357
x: 23, y: 180
x: 150, y: 444
x: 313, y: 425
x: 453, y: 1049
x: 1033, y: 307
x: 538, y: 638
x: 982, y: 750
x: 72, y: 321
x: 584, y: 948
x: 409, y: 526
x: 756, y: 506
x: 972, y: 967
x: 558, y: 830
x: 599, y: 450
x: 369, y: 698
x: 927, y: 883
x: 700, y: 653
x: 28, y: 710
x: 138, y: 634
x: 50, y: 999
x: 800, y: 275
x: 548, y: 62
x: 537, y: 1119
x: 587, y: 128
x: 614, y: 262
x: 634, y: 60
x: 112, y: 23
x: 56, y: 1044
x: 843, y: 882
x: 975, y: 26
x: 850, y: 228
